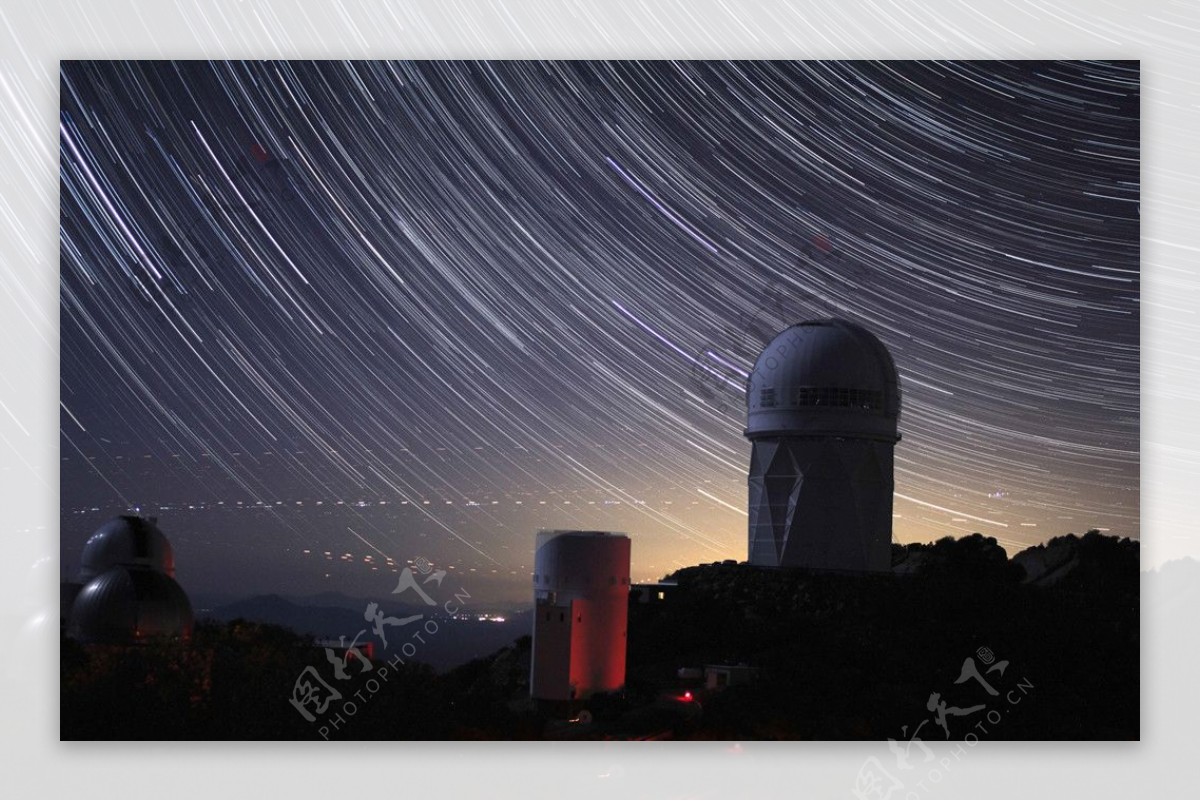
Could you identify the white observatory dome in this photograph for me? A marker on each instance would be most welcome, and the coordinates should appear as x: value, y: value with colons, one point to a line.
x: 127, y: 540
x: 127, y: 605
x: 824, y: 378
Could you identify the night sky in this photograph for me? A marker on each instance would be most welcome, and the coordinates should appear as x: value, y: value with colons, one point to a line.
x: 326, y: 318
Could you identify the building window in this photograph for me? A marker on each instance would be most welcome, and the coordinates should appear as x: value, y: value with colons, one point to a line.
x: 840, y: 397
x: 561, y: 617
x: 766, y: 396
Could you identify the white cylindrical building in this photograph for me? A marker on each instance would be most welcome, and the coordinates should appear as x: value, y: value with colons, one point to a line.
x: 581, y: 606
x: 823, y: 407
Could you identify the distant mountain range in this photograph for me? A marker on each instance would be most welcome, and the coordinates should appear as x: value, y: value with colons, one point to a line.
x: 332, y: 615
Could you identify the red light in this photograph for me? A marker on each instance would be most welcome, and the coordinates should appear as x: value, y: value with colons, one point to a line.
x: 687, y: 696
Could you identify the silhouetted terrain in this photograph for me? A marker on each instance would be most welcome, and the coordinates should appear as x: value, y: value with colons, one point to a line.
x: 858, y: 657
x: 1053, y: 633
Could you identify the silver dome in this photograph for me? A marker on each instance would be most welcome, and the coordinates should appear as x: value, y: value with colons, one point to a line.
x: 127, y: 540
x: 127, y: 605
x: 824, y: 378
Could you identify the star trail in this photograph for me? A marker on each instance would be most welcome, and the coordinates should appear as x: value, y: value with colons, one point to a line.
x: 326, y: 318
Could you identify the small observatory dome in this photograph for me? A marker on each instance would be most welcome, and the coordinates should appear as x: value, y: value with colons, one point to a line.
x: 130, y: 604
x: 824, y: 378
x: 127, y: 540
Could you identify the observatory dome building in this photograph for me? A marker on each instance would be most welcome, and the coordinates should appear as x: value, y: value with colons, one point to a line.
x: 581, y: 608
x: 823, y: 406
x: 128, y: 593
x: 125, y: 605
x: 127, y: 540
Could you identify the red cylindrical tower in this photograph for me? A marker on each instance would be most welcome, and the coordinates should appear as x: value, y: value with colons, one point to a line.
x: 581, y: 605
